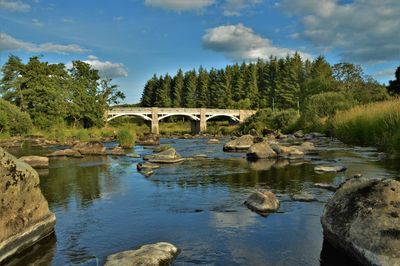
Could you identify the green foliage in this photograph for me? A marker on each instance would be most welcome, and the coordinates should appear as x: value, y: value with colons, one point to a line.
x: 126, y: 137
x: 376, y: 124
x: 394, y: 85
x: 50, y: 94
x: 283, y: 120
x: 12, y: 120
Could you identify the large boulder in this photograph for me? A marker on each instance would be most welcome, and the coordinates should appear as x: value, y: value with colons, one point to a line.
x: 262, y: 202
x: 90, y: 148
x: 239, y: 144
x: 38, y: 162
x: 161, y: 253
x: 261, y: 150
x: 362, y: 218
x: 168, y: 156
x: 25, y: 217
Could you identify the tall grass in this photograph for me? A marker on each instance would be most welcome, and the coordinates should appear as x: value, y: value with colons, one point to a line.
x: 376, y: 124
x: 126, y: 137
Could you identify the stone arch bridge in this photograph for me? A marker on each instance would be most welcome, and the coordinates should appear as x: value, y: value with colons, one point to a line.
x: 198, y: 116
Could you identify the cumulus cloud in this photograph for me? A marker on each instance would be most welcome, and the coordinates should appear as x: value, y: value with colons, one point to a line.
x: 237, y: 7
x: 365, y: 31
x: 238, y: 42
x: 14, y: 5
x: 180, y: 5
x: 9, y: 43
x: 107, y: 69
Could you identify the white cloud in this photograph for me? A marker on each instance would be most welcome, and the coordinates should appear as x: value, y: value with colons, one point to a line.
x: 180, y: 5
x: 364, y: 31
x: 237, y: 7
x: 118, y: 19
x: 107, y: 69
x: 238, y: 42
x: 37, y: 22
x: 385, y: 73
x: 14, y: 5
x: 9, y: 43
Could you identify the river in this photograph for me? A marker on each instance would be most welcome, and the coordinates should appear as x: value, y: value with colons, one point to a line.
x: 103, y: 206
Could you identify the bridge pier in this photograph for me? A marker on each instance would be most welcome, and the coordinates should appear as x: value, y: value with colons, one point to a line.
x: 155, y: 129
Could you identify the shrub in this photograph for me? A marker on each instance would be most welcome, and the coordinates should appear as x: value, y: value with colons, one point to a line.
x: 126, y: 137
x: 12, y: 120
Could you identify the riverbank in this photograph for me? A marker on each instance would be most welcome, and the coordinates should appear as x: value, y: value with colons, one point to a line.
x: 376, y: 124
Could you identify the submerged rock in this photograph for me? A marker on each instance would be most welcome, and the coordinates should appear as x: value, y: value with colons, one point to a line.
x: 38, y: 162
x: 239, y: 144
x: 147, y: 165
x: 329, y: 169
x: 161, y: 253
x: 261, y: 150
x: 25, y: 217
x: 66, y: 153
x: 90, y: 148
x: 263, y: 202
x: 362, y: 219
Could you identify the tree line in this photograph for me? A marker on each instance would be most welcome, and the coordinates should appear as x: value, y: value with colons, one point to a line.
x: 52, y: 93
x: 284, y: 83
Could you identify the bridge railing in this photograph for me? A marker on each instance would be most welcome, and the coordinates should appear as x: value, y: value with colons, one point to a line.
x: 173, y: 110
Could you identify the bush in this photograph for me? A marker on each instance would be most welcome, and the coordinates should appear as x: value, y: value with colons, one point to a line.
x: 283, y: 120
x: 12, y: 120
x: 126, y: 137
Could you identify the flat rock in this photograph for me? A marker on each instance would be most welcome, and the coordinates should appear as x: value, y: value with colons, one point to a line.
x: 304, y: 196
x: 38, y: 162
x: 66, y: 153
x: 263, y: 202
x: 149, y: 140
x: 161, y: 253
x: 326, y: 186
x: 168, y: 156
x: 117, y: 151
x: 90, y: 148
x: 239, y: 144
x: 362, y: 219
x: 329, y: 169
x: 25, y: 218
x: 147, y: 165
x: 133, y: 155
x: 213, y: 141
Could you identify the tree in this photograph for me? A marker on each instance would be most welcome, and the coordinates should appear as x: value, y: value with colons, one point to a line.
x: 202, y: 88
x: 251, y: 85
x: 189, y: 89
x: 148, y: 95
x: 394, y: 85
x: 163, y: 98
x: 177, y: 89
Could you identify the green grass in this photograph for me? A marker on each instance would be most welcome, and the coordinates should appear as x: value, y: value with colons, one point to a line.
x: 126, y: 137
x: 376, y: 124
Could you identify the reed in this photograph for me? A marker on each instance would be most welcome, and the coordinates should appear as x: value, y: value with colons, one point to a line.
x: 376, y: 124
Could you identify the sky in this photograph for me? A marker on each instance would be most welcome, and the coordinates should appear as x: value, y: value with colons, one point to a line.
x: 130, y: 40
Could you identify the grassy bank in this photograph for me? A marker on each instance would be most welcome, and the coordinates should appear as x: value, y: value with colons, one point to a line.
x: 376, y: 124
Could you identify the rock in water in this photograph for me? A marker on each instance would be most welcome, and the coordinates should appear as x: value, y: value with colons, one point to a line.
x: 261, y: 150
x: 25, y: 217
x: 304, y: 196
x: 326, y: 186
x: 66, y: 153
x: 161, y: 253
x: 90, y: 148
x: 362, y: 218
x: 117, y: 151
x: 38, y: 162
x: 241, y: 143
x: 329, y: 169
x: 262, y: 202
x: 213, y: 141
x: 167, y: 156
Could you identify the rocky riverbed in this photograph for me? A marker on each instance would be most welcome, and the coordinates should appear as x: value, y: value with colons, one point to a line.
x: 105, y: 206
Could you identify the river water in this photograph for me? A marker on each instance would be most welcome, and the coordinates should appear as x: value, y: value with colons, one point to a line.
x: 103, y: 206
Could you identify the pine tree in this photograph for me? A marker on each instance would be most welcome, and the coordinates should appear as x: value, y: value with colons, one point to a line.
x: 237, y: 83
x: 202, y: 88
x: 147, y: 99
x: 177, y: 89
x: 164, y: 92
x: 189, y: 89
x: 251, y: 86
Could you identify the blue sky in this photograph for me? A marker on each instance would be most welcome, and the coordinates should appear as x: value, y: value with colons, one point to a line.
x: 129, y: 40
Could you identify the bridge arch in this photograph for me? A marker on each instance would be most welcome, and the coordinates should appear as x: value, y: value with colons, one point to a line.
x: 193, y: 117
x: 233, y: 117
x: 146, y: 118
